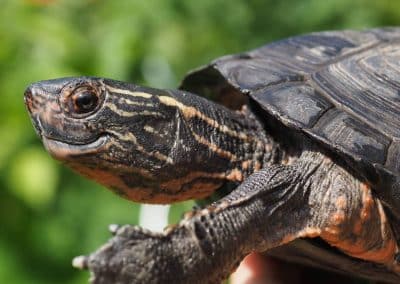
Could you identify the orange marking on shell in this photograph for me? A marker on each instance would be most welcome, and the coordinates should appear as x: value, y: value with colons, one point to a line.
x: 367, y: 207
x: 309, y: 232
x: 356, y: 245
x: 341, y: 202
x: 338, y: 217
x: 359, y: 248
x: 367, y: 201
x: 357, y: 229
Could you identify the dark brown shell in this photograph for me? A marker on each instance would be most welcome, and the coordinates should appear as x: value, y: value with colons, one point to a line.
x: 340, y: 88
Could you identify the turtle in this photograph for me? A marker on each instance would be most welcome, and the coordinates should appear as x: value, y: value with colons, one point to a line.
x: 298, y: 141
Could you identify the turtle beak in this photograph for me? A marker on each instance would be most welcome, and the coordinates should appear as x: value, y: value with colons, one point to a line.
x: 39, y: 96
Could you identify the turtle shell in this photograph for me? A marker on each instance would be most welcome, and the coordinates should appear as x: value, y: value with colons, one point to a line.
x: 339, y: 88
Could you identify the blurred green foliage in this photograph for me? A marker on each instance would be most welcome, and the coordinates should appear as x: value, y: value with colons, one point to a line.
x: 47, y: 213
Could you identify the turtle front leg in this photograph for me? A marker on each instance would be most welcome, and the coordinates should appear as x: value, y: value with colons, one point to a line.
x: 311, y: 198
x: 207, y: 245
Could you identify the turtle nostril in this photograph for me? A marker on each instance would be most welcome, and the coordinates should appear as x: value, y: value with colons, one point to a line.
x: 28, y: 98
x: 28, y: 94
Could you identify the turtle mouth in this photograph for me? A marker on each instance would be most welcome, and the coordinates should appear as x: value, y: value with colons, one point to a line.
x: 37, y: 125
x: 62, y: 150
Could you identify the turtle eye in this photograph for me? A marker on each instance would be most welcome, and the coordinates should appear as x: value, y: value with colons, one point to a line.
x: 84, y: 101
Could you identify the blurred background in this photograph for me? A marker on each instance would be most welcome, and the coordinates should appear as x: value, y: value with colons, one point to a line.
x: 48, y: 214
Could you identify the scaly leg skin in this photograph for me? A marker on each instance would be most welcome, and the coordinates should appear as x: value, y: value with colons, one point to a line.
x: 314, y: 197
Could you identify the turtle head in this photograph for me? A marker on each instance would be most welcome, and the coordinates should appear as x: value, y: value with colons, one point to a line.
x: 149, y: 145
x: 65, y: 113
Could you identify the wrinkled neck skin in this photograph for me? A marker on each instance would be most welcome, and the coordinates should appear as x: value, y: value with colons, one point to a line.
x: 212, y: 146
x: 232, y: 144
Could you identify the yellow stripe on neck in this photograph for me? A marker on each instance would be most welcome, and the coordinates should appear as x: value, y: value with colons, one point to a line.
x: 190, y: 112
x: 130, y: 93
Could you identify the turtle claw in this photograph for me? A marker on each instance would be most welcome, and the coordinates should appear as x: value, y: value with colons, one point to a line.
x: 113, y: 228
x: 80, y: 262
x: 130, y: 256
